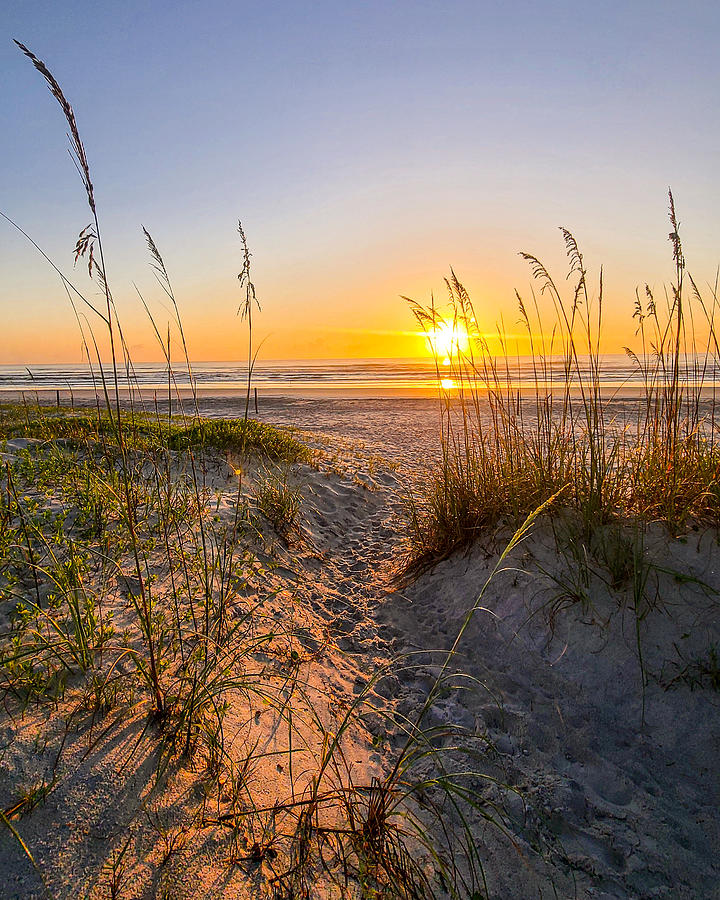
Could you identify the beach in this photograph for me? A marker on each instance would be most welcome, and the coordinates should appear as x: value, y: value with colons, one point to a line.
x: 358, y: 539
x: 596, y: 769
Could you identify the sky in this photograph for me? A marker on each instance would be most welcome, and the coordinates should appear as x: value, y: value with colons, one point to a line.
x: 367, y: 147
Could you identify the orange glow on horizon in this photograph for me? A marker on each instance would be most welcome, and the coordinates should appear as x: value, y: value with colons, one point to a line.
x: 360, y: 321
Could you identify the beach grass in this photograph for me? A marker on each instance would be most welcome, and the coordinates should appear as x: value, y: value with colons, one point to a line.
x: 84, y: 627
x: 509, y: 444
x: 147, y: 431
x: 141, y: 592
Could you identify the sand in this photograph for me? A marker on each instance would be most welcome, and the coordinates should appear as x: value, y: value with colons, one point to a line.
x: 601, y: 770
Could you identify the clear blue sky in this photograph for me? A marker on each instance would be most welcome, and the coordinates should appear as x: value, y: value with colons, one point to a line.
x: 367, y: 146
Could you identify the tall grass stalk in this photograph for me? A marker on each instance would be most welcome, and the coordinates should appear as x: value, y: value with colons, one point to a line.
x: 90, y: 238
x: 246, y: 310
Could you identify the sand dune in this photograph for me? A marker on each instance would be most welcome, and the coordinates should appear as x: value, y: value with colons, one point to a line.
x: 599, y: 764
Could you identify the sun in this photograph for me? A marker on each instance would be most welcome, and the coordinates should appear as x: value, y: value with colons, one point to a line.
x: 448, y: 339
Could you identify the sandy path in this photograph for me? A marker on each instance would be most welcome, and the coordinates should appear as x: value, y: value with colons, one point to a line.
x: 608, y: 800
x: 324, y: 585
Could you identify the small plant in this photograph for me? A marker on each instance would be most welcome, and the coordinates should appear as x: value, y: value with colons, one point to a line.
x: 246, y: 312
x: 572, y: 574
x: 277, y: 499
x: 116, y: 871
x: 29, y: 799
x: 172, y: 839
x: 619, y: 549
x: 698, y: 673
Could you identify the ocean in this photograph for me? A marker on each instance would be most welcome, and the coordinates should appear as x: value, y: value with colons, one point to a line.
x: 349, y: 377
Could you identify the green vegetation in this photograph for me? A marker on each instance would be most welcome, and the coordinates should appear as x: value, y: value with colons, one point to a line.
x: 277, y: 500
x: 146, y: 432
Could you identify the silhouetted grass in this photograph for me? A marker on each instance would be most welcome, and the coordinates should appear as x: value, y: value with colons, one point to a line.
x: 508, y: 445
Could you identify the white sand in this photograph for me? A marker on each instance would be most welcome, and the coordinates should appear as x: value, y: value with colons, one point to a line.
x: 595, y: 802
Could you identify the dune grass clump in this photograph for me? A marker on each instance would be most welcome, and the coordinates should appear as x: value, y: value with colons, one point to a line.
x: 520, y: 428
x: 148, y: 431
x: 277, y: 499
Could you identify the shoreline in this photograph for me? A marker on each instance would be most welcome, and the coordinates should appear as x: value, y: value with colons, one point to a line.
x: 526, y: 393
